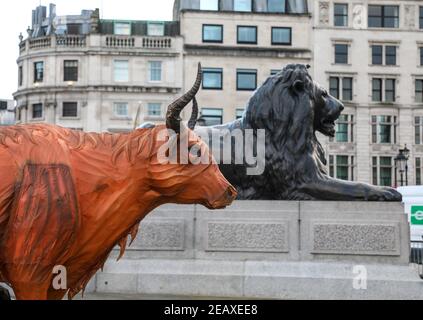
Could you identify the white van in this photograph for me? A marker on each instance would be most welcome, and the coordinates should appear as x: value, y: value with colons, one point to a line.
x: 412, y: 197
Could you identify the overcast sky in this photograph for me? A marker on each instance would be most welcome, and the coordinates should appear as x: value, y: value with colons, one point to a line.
x: 16, y: 17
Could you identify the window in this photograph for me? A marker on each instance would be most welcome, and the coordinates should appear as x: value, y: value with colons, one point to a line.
x: 20, y: 76
x: 3, y: 105
x: 384, y: 129
x: 155, y: 70
x: 243, y: 5
x: 70, y: 70
x: 155, y: 29
x: 421, y: 56
x: 376, y: 89
x: 212, y: 5
x: 341, y: 15
x: 239, y: 113
x: 421, y: 17
x: 341, y: 167
x: 278, y: 6
x: 335, y: 90
x: 382, y: 171
x: 121, y: 70
x: 383, y: 16
x: 70, y: 110
x: 377, y: 54
x: 154, y: 110
x: 418, y: 130
x: 212, y: 78
x: 390, y: 55
x: 246, y: 79
x: 347, y: 89
x: 74, y: 28
x: 344, y: 129
x: 297, y: 6
x: 281, y: 35
x: 37, y: 111
x: 120, y: 109
x: 122, y: 28
x: 334, y: 87
x: 212, y: 116
x: 38, y: 71
x: 419, y: 90
x: 247, y: 34
x: 274, y: 71
x: 418, y: 171
x: 212, y: 33
x: 341, y: 53
x: 389, y: 90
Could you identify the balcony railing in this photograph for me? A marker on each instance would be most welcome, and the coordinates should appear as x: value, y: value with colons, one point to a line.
x: 22, y: 46
x: 120, y: 42
x: 82, y: 41
x: 156, y: 43
x: 71, y: 41
x: 40, y: 43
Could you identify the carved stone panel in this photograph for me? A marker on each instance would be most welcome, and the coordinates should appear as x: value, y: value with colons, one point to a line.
x: 247, y: 236
x: 323, y: 13
x: 409, y: 16
x: 354, y: 238
x: 160, y: 235
x: 359, y: 16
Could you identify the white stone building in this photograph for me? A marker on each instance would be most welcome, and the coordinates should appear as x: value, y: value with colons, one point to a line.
x: 90, y: 74
x: 370, y: 55
x: 240, y: 44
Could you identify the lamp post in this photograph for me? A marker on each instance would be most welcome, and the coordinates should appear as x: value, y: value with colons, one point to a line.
x: 401, y: 164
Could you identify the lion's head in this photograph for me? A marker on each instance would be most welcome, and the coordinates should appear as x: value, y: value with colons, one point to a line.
x: 291, y: 103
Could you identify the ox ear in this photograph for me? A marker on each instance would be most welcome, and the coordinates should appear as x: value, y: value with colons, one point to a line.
x: 298, y: 85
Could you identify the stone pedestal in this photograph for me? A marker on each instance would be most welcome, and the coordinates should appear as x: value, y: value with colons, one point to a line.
x: 270, y: 249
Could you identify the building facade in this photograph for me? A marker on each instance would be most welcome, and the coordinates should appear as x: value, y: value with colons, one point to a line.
x: 370, y: 55
x: 240, y: 44
x: 90, y: 74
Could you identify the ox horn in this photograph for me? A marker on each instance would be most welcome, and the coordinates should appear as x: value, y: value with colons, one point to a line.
x: 194, y: 115
x: 173, y: 120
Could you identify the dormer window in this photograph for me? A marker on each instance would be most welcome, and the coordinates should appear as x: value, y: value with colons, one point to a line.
x: 122, y: 28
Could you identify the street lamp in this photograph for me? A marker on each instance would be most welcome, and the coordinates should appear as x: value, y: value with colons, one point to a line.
x: 401, y: 163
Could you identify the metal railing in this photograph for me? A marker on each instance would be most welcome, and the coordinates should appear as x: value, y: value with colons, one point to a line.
x: 416, y: 256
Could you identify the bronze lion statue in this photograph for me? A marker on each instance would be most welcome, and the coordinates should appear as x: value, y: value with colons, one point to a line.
x: 291, y: 107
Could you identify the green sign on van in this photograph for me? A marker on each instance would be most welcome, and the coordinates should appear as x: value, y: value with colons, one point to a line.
x: 417, y: 215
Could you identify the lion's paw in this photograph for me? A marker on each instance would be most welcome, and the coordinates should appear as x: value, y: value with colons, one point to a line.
x: 387, y: 194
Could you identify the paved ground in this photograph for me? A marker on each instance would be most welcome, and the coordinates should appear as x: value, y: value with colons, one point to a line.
x: 121, y: 296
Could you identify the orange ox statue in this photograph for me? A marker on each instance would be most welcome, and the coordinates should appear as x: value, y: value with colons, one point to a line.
x: 67, y: 198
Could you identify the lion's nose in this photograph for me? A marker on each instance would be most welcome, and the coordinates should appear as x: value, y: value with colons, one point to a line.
x: 341, y: 107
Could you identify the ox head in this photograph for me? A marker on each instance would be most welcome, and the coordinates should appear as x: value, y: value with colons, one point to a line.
x: 184, y: 170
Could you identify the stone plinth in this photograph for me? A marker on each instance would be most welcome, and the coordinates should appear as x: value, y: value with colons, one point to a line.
x: 270, y: 249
